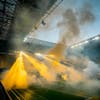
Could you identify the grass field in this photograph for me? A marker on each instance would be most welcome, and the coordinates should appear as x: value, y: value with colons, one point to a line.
x: 38, y: 93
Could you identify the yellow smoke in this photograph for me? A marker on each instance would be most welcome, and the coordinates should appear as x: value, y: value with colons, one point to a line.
x: 57, y: 52
x: 16, y: 77
x: 67, y: 73
x: 40, y: 67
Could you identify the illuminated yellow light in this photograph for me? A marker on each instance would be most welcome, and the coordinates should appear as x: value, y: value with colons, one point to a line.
x: 56, y: 66
x: 16, y: 77
x: 21, y: 53
x: 51, y: 55
x: 68, y: 73
x: 64, y: 77
x: 40, y: 67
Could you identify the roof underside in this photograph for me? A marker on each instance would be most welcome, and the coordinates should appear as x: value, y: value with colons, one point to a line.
x: 12, y: 11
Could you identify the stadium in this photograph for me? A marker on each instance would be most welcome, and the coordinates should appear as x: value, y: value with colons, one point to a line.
x: 49, y: 50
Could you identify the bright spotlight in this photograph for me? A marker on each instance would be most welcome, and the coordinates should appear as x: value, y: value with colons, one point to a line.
x: 76, y: 45
x: 86, y: 42
x: 25, y: 39
x: 72, y: 46
x: 80, y: 44
x: 96, y: 38
x: 38, y: 54
x: 21, y: 53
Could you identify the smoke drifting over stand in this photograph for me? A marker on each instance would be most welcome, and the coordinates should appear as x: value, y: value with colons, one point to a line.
x: 74, y: 19
x: 50, y: 69
x: 86, y: 14
x: 70, y: 23
x: 70, y: 26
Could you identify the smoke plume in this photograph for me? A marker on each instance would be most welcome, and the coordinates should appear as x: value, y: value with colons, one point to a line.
x: 70, y: 22
x: 69, y: 25
x: 86, y: 14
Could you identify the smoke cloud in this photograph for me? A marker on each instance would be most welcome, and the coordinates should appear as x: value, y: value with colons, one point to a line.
x: 77, y: 79
x: 70, y: 26
x: 86, y: 14
x: 73, y: 19
x: 71, y: 22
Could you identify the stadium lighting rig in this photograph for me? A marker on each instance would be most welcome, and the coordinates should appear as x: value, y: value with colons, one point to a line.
x: 42, y: 19
x: 95, y: 38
